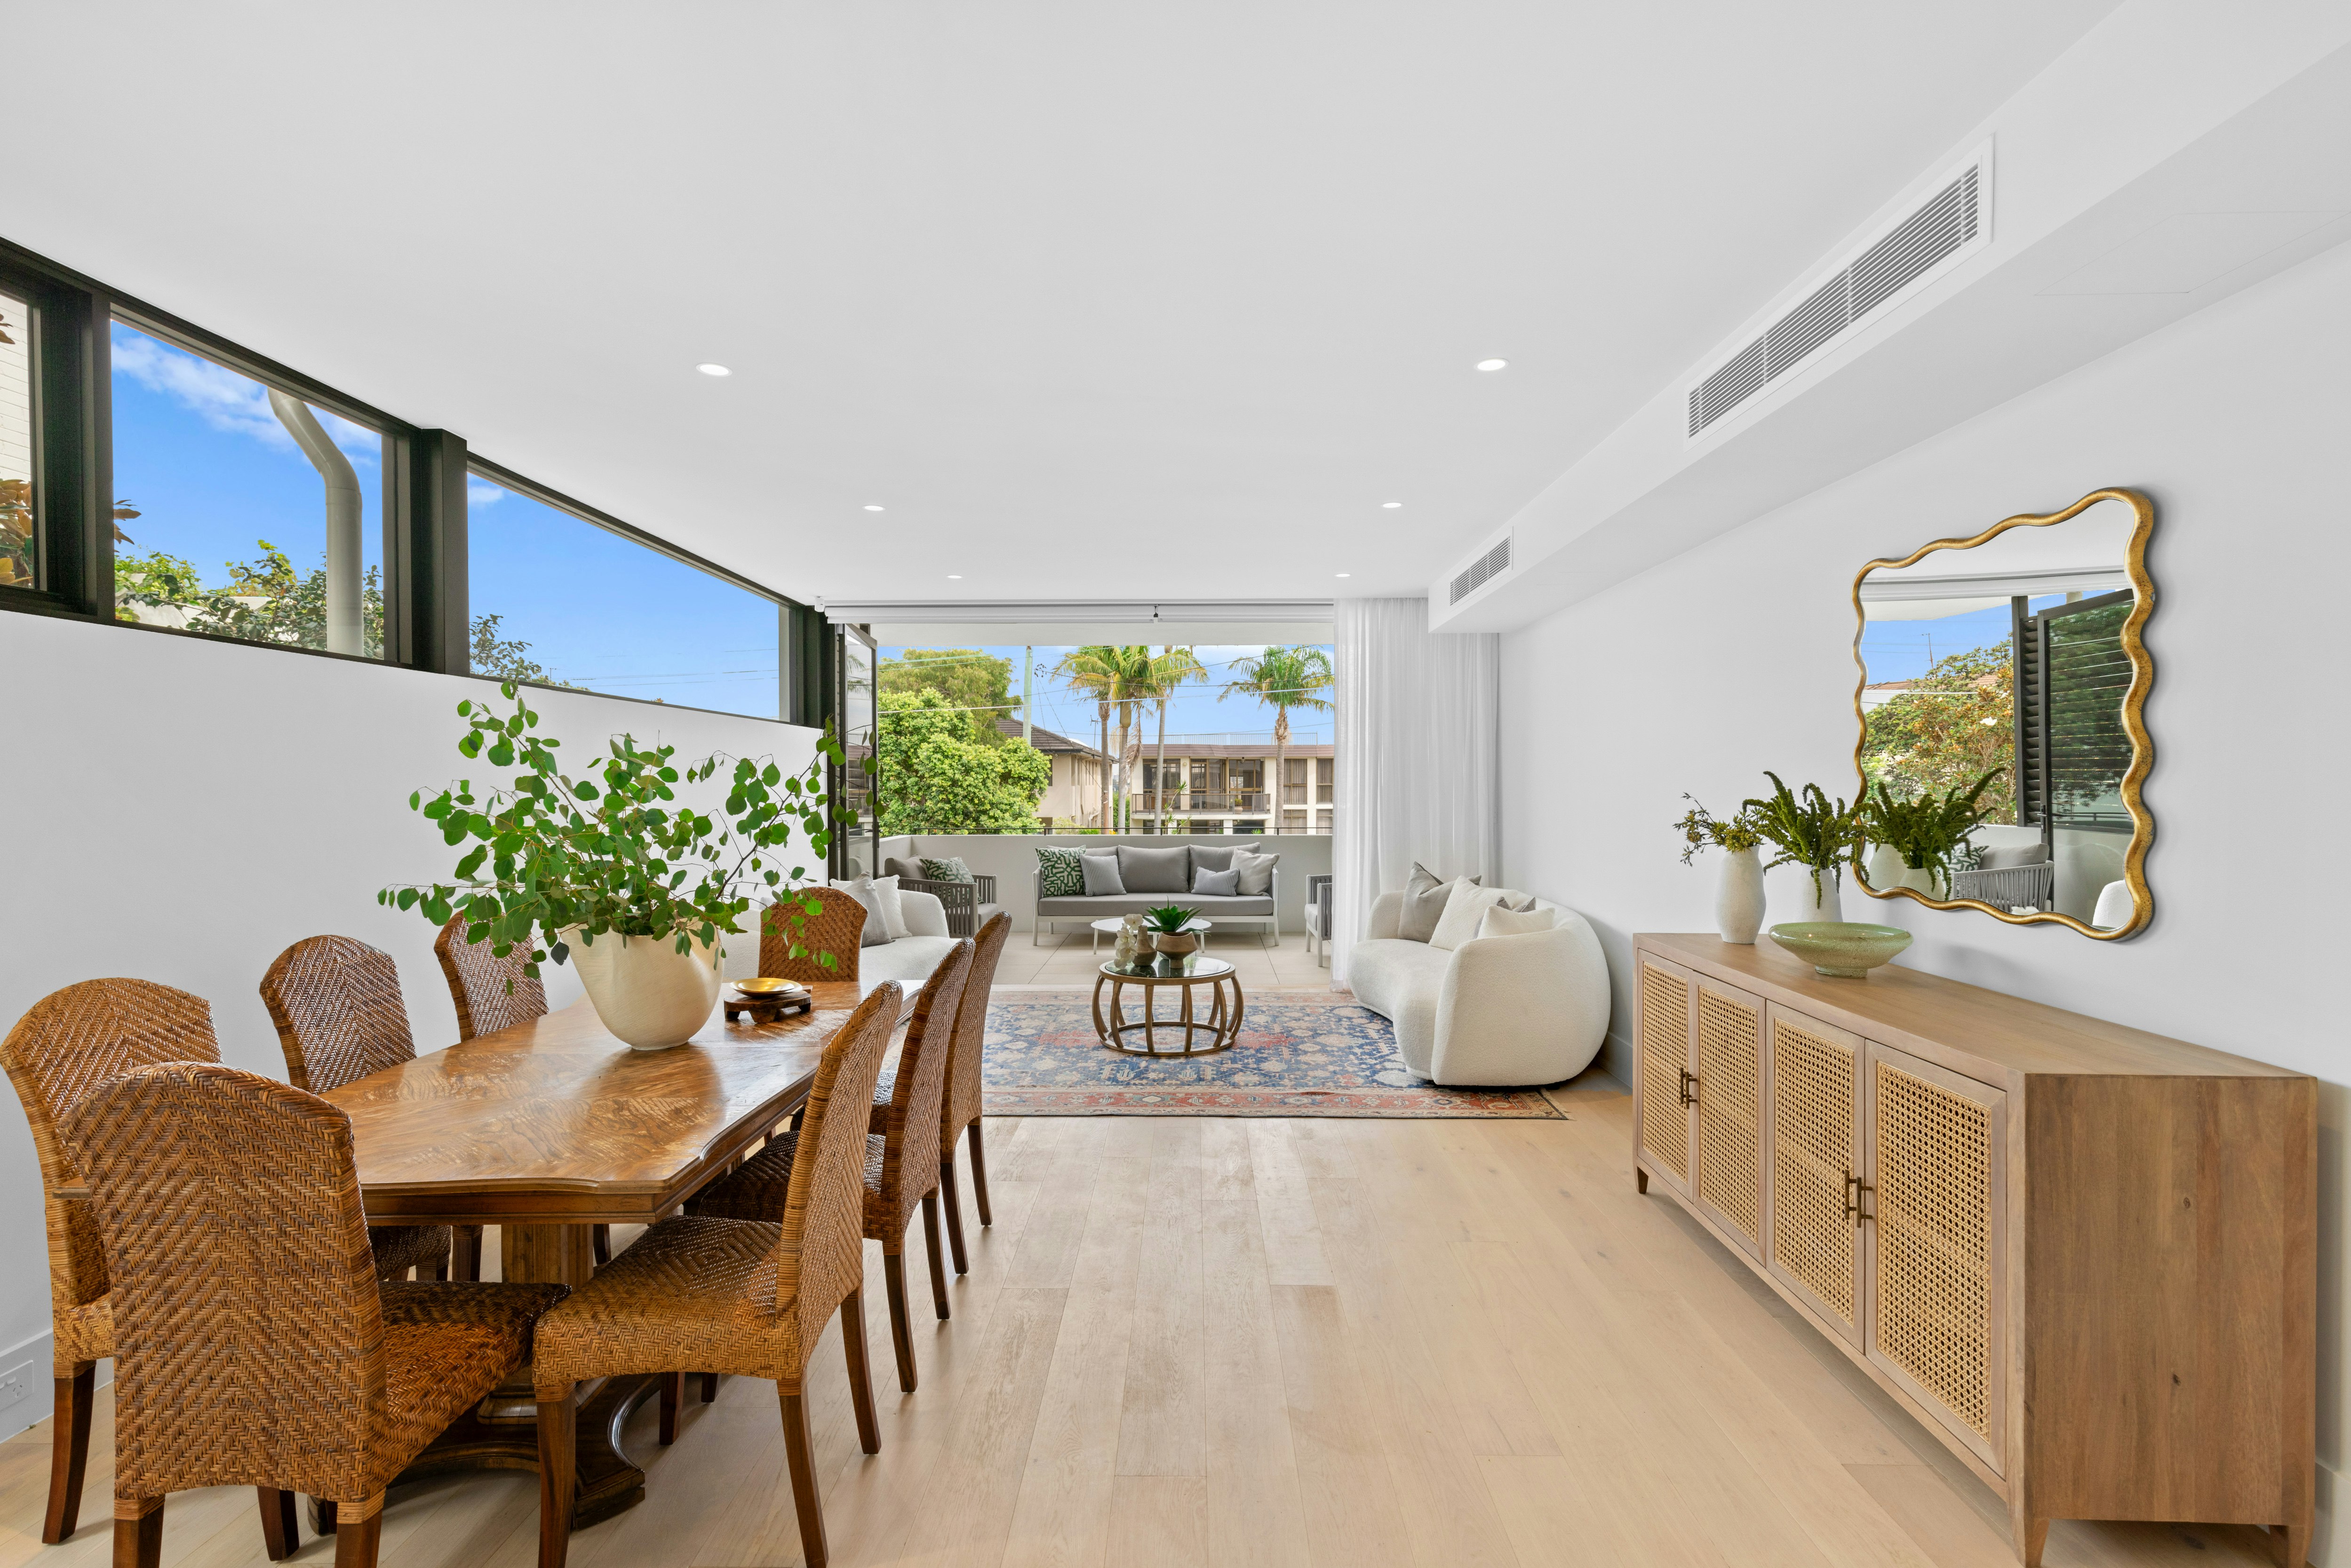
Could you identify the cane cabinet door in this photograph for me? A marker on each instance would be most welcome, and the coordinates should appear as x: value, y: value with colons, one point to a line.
x: 1813, y: 1074
x: 1727, y: 1032
x: 1664, y: 1081
x: 1939, y: 1156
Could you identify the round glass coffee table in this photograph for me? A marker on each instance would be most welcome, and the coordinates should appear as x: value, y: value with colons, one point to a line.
x: 1201, y: 1035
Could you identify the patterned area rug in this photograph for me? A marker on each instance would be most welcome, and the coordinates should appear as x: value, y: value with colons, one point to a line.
x: 1299, y: 1055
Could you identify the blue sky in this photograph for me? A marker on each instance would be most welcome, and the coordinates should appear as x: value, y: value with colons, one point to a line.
x: 1902, y: 649
x: 1196, y: 714
x: 212, y: 471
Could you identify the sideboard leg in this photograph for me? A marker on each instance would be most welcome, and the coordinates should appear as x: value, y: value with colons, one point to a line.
x: 2031, y: 1535
x: 1640, y: 1179
x: 2290, y: 1544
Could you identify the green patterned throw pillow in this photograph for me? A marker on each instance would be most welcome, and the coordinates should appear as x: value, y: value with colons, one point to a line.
x: 1065, y: 873
x: 945, y: 870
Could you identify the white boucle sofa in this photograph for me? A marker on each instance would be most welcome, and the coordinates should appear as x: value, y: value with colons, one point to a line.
x: 1529, y: 1009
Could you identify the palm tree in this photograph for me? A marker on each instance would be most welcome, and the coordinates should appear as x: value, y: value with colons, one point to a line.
x: 1282, y: 679
x: 1116, y: 676
x: 1171, y: 669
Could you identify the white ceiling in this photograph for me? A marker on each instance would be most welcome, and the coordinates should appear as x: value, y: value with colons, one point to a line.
x: 1096, y: 300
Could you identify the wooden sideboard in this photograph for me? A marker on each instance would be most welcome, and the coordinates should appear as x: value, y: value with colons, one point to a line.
x: 2083, y: 1256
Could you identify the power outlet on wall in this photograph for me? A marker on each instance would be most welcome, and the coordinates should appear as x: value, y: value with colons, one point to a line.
x: 15, y: 1383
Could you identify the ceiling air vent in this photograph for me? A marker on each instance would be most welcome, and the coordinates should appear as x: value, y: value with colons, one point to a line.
x: 1950, y: 222
x: 1485, y: 568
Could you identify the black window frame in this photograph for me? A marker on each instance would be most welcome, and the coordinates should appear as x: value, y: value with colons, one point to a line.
x: 427, y: 616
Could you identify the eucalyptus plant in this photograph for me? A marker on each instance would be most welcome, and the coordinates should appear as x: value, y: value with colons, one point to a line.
x: 1926, y: 831
x: 612, y: 850
x: 1808, y: 828
x: 1701, y: 827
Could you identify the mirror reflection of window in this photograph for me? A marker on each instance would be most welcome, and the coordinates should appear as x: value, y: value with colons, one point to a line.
x: 2008, y: 658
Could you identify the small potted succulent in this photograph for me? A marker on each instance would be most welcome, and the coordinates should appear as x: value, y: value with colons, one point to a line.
x: 611, y: 872
x: 1164, y: 924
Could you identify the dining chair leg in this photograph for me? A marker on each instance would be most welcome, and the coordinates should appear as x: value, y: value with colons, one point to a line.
x: 322, y: 1515
x: 600, y: 1243
x: 466, y: 1252
x: 861, y: 1377
x: 803, y: 1461
x: 357, y: 1542
x: 931, y: 1247
x: 672, y: 1395
x: 709, y: 1387
x: 280, y: 1535
x: 980, y: 1174
x: 138, y: 1532
x: 68, y: 1450
x: 902, y: 1338
x: 558, y: 1449
x: 953, y: 1199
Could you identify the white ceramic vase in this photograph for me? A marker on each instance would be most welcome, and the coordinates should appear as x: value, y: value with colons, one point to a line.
x: 1826, y: 905
x: 1886, y: 868
x: 1738, y: 897
x: 646, y: 991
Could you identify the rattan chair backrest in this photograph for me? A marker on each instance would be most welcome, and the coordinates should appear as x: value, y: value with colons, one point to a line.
x: 66, y: 1046
x: 491, y: 993
x: 820, y: 1255
x: 337, y: 1005
x: 912, y: 1124
x: 960, y: 1106
x: 249, y: 1332
x: 838, y: 930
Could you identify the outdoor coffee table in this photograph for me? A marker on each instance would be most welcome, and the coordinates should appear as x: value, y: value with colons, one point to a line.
x: 1111, y: 927
x: 1219, y: 1028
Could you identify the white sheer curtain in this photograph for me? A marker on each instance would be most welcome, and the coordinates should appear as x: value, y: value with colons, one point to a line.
x: 1418, y: 722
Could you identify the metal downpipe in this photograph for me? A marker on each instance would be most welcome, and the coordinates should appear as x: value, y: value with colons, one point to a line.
x: 345, y: 632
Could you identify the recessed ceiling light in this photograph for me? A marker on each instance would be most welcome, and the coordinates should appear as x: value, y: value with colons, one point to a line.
x: 1390, y: 506
x: 1346, y: 574
x: 1493, y: 364
x: 954, y: 577
x: 871, y: 509
x: 714, y: 369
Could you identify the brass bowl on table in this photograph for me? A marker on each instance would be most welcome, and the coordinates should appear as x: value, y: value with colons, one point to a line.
x: 1175, y: 944
x: 764, y: 988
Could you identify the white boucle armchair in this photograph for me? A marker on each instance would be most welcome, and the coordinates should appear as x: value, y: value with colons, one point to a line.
x: 1527, y: 1008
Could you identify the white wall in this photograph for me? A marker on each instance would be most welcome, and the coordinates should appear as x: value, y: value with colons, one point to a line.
x: 1738, y: 656
x: 181, y: 809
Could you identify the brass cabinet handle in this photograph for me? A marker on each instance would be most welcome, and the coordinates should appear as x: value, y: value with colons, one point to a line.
x: 1688, y: 1087
x: 1854, y: 1189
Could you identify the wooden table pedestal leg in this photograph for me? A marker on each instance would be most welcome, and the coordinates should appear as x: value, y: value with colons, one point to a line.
x: 501, y: 1433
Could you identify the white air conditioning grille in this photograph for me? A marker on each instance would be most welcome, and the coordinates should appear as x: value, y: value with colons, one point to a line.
x: 1916, y: 246
x: 1482, y: 570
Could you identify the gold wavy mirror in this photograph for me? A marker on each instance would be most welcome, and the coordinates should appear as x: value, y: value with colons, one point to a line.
x: 2002, y: 745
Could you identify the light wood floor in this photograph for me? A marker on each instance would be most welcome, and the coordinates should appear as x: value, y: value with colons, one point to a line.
x: 1332, y: 1344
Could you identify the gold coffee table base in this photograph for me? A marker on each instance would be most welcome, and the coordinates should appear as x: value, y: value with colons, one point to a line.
x: 1220, y: 1028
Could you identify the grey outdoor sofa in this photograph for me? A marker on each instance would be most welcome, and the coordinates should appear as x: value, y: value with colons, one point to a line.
x: 1151, y: 876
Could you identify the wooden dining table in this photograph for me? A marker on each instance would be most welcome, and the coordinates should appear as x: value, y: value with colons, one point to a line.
x: 551, y: 1128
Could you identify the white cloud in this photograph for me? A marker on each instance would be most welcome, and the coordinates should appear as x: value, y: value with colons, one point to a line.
x: 226, y: 400
x: 481, y: 492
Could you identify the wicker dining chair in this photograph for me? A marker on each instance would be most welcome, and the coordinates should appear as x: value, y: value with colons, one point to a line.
x: 749, y: 1297
x: 336, y: 1003
x: 271, y: 1355
x: 963, y: 1104
x: 491, y: 993
x: 837, y: 931
x: 902, y: 1157
x: 66, y: 1046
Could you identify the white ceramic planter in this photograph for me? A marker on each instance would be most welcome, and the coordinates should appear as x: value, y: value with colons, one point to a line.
x: 644, y: 989
x: 1738, y: 897
x: 1828, y: 905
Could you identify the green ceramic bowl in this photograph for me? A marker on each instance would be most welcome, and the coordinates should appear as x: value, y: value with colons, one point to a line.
x: 1841, y: 947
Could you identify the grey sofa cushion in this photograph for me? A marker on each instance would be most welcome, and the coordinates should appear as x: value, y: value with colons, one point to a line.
x: 2005, y: 857
x: 1101, y: 875
x: 1424, y: 898
x: 1213, y: 857
x: 1155, y: 870
x: 1256, y: 871
x: 1227, y: 883
x: 1211, y: 909
x: 903, y: 868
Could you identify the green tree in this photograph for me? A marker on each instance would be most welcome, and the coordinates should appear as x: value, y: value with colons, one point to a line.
x: 967, y: 677
x: 1116, y: 676
x: 1170, y: 670
x: 1282, y: 679
x: 935, y: 778
x: 1949, y: 727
